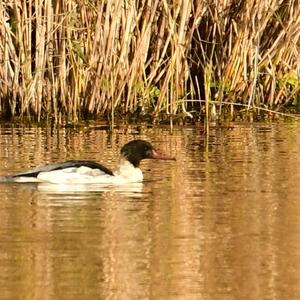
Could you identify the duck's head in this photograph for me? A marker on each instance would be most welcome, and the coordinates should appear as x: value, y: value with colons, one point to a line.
x: 137, y: 150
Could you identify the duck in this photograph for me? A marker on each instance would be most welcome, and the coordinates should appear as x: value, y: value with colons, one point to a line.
x: 90, y: 172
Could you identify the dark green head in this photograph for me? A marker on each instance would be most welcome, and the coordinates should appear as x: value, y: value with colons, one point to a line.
x: 137, y: 150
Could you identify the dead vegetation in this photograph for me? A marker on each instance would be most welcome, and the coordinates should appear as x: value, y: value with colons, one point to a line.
x: 108, y: 58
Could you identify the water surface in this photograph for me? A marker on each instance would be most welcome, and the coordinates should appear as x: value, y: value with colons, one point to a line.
x: 222, y: 222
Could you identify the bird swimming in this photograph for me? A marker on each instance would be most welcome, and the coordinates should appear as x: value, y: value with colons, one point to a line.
x: 90, y: 172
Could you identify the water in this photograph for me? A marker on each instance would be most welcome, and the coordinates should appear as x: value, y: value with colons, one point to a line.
x: 222, y: 222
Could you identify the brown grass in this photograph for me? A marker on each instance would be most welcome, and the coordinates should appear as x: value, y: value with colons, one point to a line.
x: 113, y: 57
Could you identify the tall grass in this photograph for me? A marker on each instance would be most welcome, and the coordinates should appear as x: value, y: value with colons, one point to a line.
x: 112, y: 57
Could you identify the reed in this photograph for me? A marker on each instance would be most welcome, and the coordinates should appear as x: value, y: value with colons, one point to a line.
x: 113, y: 57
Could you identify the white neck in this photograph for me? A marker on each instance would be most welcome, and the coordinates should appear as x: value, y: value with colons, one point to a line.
x: 128, y: 171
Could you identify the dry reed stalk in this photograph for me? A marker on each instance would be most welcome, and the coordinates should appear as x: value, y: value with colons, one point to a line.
x: 117, y: 56
x: 262, y: 43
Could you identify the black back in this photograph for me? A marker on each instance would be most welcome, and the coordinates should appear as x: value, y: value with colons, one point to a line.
x: 59, y: 166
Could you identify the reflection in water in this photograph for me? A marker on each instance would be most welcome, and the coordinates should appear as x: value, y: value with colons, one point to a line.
x: 220, y: 223
x: 130, y: 189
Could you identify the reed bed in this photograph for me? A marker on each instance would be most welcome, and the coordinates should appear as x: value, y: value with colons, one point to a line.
x: 178, y: 57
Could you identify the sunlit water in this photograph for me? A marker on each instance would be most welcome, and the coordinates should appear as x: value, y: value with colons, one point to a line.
x: 222, y: 222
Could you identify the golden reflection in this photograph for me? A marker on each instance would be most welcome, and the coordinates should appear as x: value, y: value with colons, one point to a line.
x: 220, y: 223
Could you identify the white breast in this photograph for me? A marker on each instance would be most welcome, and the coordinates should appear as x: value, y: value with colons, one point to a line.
x: 128, y: 172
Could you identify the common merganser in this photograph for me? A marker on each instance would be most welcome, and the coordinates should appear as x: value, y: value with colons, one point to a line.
x: 85, y: 171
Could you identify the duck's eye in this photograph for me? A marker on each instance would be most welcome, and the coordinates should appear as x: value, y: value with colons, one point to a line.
x: 147, y: 148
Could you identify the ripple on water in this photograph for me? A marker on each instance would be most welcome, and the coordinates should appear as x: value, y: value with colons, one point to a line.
x: 227, y: 207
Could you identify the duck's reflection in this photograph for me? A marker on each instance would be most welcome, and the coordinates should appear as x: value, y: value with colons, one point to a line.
x: 134, y: 189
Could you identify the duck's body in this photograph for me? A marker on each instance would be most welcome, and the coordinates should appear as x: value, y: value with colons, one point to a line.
x: 79, y: 171
x: 89, y: 172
